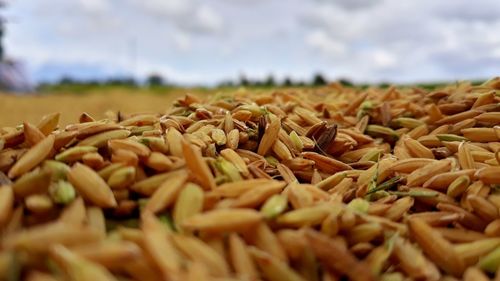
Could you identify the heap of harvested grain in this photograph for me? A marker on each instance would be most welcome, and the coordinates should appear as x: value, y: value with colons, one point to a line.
x: 364, y: 185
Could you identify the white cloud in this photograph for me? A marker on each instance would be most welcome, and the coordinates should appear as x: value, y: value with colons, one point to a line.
x: 167, y: 8
x: 407, y: 38
x: 384, y: 59
x: 205, y: 41
x: 320, y: 40
x: 208, y: 19
x: 462, y: 10
x: 352, y: 4
x: 94, y: 6
x: 182, y: 41
x: 188, y: 15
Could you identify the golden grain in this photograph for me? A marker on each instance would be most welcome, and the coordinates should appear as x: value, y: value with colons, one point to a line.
x: 269, y: 137
x: 75, y: 153
x: 443, y: 180
x: 92, y: 128
x: 413, y: 262
x: 417, y: 149
x: 490, y: 175
x: 166, y: 193
x: 223, y: 220
x: 39, y: 203
x: 49, y: 123
x: 240, y: 258
x: 96, y: 220
x: 484, y: 208
x: 493, y: 228
x: 465, y: 156
x: 198, y: 251
x: 235, y: 189
x: 74, y: 213
x: 298, y: 196
x: 419, y: 176
x: 91, y: 186
x: 78, y: 268
x: 337, y: 257
x: 32, y: 134
x: 255, y: 196
x: 272, y: 268
x: 158, y: 244
x: 457, y: 235
x: 471, y: 252
x: 305, y: 216
x: 32, y: 157
x: 36, y: 181
x: 111, y: 254
x: 127, y: 144
x: 6, y: 204
x: 189, y: 203
x: 198, y: 166
x: 51, y: 234
x: 237, y: 161
x: 334, y: 183
x: 458, y: 186
x: 101, y: 139
x: 121, y: 178
x: 436, y: 247
x: 265, y: 239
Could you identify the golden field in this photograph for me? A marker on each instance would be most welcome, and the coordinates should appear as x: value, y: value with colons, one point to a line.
x: 16, y: 109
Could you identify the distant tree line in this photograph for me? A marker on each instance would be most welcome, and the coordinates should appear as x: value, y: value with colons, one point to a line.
x: 152, y: 80
x: 157, y: 80
x: 317, y: 80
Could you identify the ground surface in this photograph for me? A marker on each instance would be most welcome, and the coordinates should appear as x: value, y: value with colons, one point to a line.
x: 16, y: 109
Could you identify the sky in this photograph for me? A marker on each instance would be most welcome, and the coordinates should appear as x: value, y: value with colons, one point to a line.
x: 207, y: 41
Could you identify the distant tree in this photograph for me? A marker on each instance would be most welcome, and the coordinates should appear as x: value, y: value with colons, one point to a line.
x: 256, y: 83
x: 122, y: 81
x: 154, y: 80
x: 319, y: 80
x: 129, y: 81
x: 300, y: 83
x: 346, y: 82
x: 67, y: 80
x: 288, y: 82
x: 384, y: 85
x: 226, y: 83
x: 93, y: 82
x: 269, y: 82
x: 244, y: 80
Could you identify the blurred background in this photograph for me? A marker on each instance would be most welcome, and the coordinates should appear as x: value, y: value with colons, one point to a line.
x: 110, y: 48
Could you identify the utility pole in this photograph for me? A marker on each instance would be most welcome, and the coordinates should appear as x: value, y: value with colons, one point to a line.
x: 133, y: 57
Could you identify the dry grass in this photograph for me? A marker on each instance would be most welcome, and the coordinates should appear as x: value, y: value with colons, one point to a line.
x: 16, y: 109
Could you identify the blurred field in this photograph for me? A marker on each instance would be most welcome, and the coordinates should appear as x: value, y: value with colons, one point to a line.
x: 16, y: 109
x: 72, y: 100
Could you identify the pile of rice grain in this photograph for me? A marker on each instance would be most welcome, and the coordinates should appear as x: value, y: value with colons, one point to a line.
x: 327, y: 184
